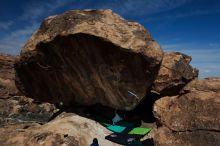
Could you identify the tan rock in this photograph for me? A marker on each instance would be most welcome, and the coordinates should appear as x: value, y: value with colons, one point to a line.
x: 88, y: 57
x: 28, y: 134
x: 67, y: 129
x: 19, y: 109
x: 204, y: 85
x: 7, y: 76
x: 166, y: 137
x: 175, y: 72
x: 191, y: 116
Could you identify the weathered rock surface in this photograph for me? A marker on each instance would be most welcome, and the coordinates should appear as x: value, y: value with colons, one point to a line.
x: 175, y: 72
x: 87, y: 57
x: 207, y: 85
x: 67, y: 129
x: 20, y: 109
x: 166, y: 137
x: 31, y: 134
x: 7, y: 76
x: 192, y: 118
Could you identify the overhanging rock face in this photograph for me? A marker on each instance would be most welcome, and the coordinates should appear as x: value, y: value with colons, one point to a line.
x: 88, y: 57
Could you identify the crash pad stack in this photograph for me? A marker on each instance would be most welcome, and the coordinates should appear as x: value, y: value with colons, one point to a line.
x: 123, y: 132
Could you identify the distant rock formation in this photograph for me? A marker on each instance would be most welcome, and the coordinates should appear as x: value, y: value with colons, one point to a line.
x: 88, y: 57
x: 7, y: 76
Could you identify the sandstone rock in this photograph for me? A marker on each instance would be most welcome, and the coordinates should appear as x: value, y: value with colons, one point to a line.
x: 28, y: 134
x: 191, y: 116
x: 7, y: 76
x: 203, y: 85
x: 175, y: 72
x: 67, y: 129
x: 88, y: 57
x: 20, y: 109
x: 166, y: 137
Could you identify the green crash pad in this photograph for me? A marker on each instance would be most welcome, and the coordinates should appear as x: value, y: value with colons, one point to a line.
x: 140, y: 131
x: 120, y: 127
x: 116, y: 128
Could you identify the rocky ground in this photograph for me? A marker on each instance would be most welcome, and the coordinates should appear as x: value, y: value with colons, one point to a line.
x: 94, y: 57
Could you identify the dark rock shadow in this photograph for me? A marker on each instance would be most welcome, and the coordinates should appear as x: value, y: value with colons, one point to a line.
x: 142, y: 113
x: 148, y: 142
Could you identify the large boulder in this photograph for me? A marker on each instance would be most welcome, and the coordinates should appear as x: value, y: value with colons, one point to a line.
x: 175, y: 72
x: 66, y: 130
x: 88, y: 57
x: 192, y: 117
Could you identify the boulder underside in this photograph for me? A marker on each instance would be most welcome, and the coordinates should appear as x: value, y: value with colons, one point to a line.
x: 81, y: 65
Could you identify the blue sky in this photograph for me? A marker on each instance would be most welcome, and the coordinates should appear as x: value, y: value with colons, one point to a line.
x: 188, y: 26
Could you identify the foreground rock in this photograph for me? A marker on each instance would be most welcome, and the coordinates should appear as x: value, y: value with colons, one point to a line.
x: 20, y: 109
x: 7, y: 76
x: 175, y: 72
x: 192, y: 118
x: 89, y: 57
x: 167, y: 137
x: 67, y: 129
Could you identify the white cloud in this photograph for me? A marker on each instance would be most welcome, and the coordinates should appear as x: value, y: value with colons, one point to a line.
x: 208, y: 70
x: 214, y: 44
x: 134, y: 7
x: 5, y: 25
x: 36, y: 9
x: 168, y: 47
x: 182, y: 15
x: 211, y: 68
x: 13, y: 42
x: 205, y: 57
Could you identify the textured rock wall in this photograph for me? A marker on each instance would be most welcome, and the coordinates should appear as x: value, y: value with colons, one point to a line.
x: 174, y: 73
x: 192, y: 118
x: 89, y: 57
x: 67, y: 129
x: 7, y: 76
